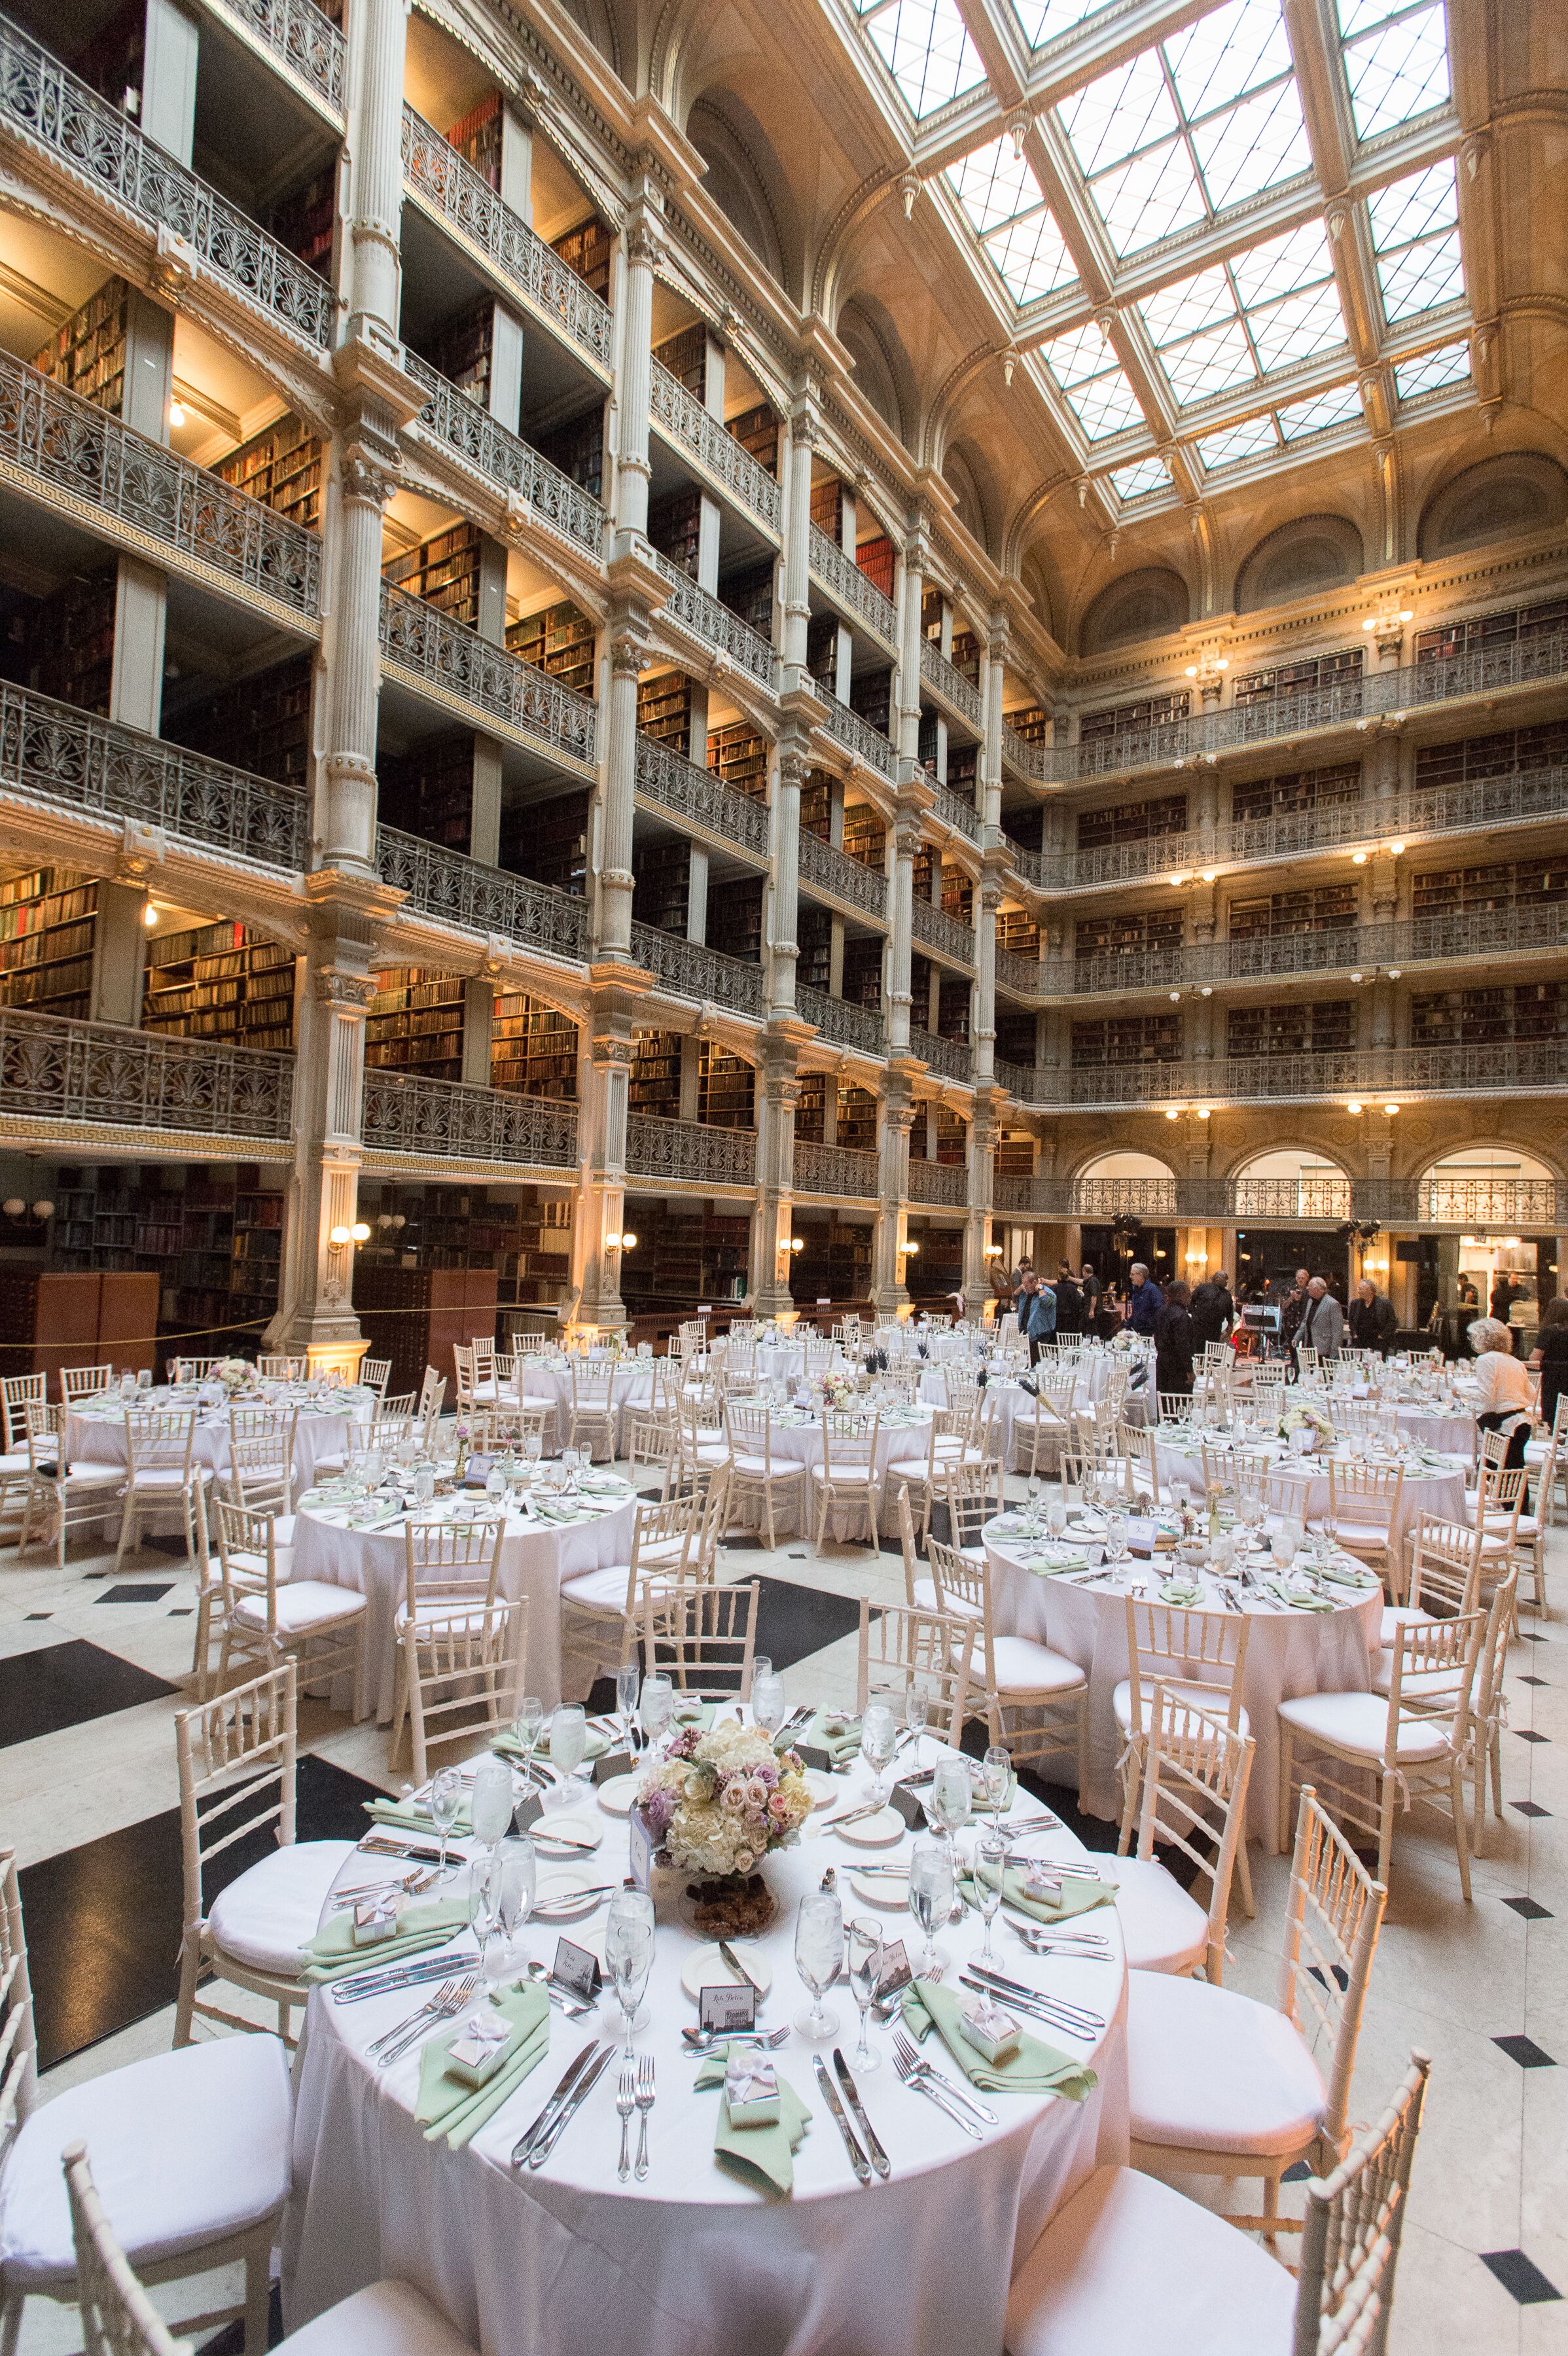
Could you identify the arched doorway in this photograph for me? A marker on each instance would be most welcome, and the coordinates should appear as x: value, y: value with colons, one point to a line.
x: 1127, y: 1204
x: 1290, y: 1204
x: 1488, y: 1217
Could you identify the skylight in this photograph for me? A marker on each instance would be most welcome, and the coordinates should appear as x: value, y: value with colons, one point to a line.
x: 1415, y: 236
x: 1396, y: 61
x: 1136, y: 481
x: 1202, y: 123
x: 1342, y: 406
x: 926, y: 48
x: 1045, y: 20
x: 1298, y: 421
x: 1449, y: 364
x: 1235, y: 322
x: 1002, y: 200
x: 1087, y: 372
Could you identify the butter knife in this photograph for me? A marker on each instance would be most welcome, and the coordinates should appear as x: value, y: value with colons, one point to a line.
x: 879, y: 2160
x: 569, y: 2076
x: 858, y: 2159
x: 729, y: 1955
x: 571, y: 2107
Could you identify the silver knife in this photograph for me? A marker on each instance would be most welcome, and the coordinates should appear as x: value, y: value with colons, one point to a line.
x: 729, y: 1956
x: 879, y: 2160
x: 858, y: 2159
x: 569, y: 2077
x: 571, y: 2107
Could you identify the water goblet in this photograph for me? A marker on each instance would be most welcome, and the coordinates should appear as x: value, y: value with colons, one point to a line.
x: 769, y: 1707
x: 819, y: 1956
x: 491, y: 1805
x: 878, y: 1738
x: 990, y: 1865
x: 514, y: 1870
x: 533, y: 1447
x: 568, y: 1744
x: 629, y: 1951
x: 1115, y: 1537
x: 866, y: 1954
x: 446, y: 1798
x: 656, y: 1709
x: 1056, y: 1518
x: 917, y: 1715
x: 953, y: 1797
x: 527, y: 1727
x: 930, y: 1893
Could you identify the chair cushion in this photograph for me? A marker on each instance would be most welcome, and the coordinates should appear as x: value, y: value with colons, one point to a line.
x: 1361, y: 1533
x: 388, y: 2319
x: 847, y: 1474
x: 756, y: 1468
x: 187, y: 2147
x: 1200, y: 1697
x: 605, y: 1588
x: 264, y: 1917
x: 1022, y: 1666
x: 1393, y: 1613
x: 304, y: 1606
x: 926, y: 1600
x: 1358, y: 1722
x: 170, y: 1477
x: 1162, y: 1929
x: 1211, y: 2070
x: 1129, y: 2265
x: 910, y: 1468
x: 1427, y: 1686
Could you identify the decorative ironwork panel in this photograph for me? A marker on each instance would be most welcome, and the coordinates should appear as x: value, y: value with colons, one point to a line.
x: 693, y: 971
x: 838, y: 1019
x: 461, y: 891
x: 709, y: 619
x: 444, y: 1119
x: 1111, y: 1198
x: 957, y: 814
x: 949, y: 1055
x: 838, y: 572
x: 460, y: 422
x: 1022, y: 1080
x: 835, y: 871
x: 684, y: 417
x: 54, y: 1070
x: 451, y: 657
x: 859, y: 737
x: 663, y: 776
x: 938, y: 930
x: 1023, y: 975
x: 950, y: 682
x: 1489, y: 1203
x: 689, y: 1149
x: 836, y: 1170
x: 938, y: 1182
x: 1028, y: 760
x: 1291, y: 1198
x: 303, y: 36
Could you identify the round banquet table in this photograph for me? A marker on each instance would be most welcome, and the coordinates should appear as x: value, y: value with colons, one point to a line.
x: 1429, y: 1490
x: 1289, y: 1652
x: 896, y: 1443
x: 632, y: 1385
x: 535, y: 1557
x: 565, y: 2261
x: 97, y: 1436
x: 1450, y: 1431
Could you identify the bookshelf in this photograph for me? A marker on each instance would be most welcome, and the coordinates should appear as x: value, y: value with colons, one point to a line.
x: 810, y: 1109
x: 938, y: 1270
x: 1544, y: 745
x: 1016, y: 1033
x: 813, y: 937
x: 748, y: 594
x: 578, y: 448
x: 836, y: 1263
x: 958, y: 894
x: 817, y: 805
x: 1132, y: 823
x: 1016, y: 931
x: 1520, y: 883
x: 827, y: 506
x: 965, y: 655
x: 534, y: 1048
x: 874, y: 558
x: 822, y: 649
x: 655, y: 1083
x: 1016, y: 1155
x: 952, y: 1009
x: 665, y: 709
x: 858, y: 1118
x: 444, y: 572
x: 685, y: 355
x: 548, y: 841
x: 962, y: 766
x: 926, y: 742
x: 558, y: 639
x: 587, y: 251
x: 463, y: 349
x: 675, y: 529
x: 920, y: 989
x: 305, y: 221
x: 863, y: 971
x: 1302, y: 790
x: 735, y: 918
x: 1127, y: 1039
x: 282, y: 467
x: 871, y: 694
x: 261, y: 722
x: 685, y: 1255
x: 865, y: 835
x: 1532, y: 1009
x: 932, y: 616
x: 1331, y: 906
x: 738, y: 754
x: 924, y: 867
x: 756, y: 431
x: 520, y: 1238
x: 219, y: 981
x: 1291, y: 1029
x: 1032, y: 722
x: 211, y: 1234
x: 67, y: 641
x: 1108, y: 936
x: 1298, y: 678
x: 415, y: 1024
x: 725, y: 1089
x: 661, y: 893
x: 477, y: 138
x: 114, y: 60
x: 429, y: 791
x: 1024, y: 826
x: 414, y: 1315
x: 48, y: 919
x: 86, y: 354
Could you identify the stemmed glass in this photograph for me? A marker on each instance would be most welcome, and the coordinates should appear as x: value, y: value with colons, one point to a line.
x: 446, y: 1799
x: 1115, y: 1538
x: 568, y: 1743
x: 493, y: 1801
x: 990, y: 1865
x: 930, y: 1893
x: 571, y: 1458
x: 951, y: 1799
x: 998, y: 1765
x: 628, y: 1681
x: 656, y: 1709
x: 879, y: 1739
x: 629, y: 1951
x: 865, y: 1953
x: 534, y: 1447
x: 917, y: 1715
x: 527, y: 1727
x: 512, y: 1878
x: 819, y: 1956
x: 1034, y: 1507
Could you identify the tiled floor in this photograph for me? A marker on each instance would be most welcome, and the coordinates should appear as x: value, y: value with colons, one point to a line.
x: 90, y: 1676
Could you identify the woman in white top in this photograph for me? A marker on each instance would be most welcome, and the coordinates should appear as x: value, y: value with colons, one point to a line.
x: 1505, y: 1403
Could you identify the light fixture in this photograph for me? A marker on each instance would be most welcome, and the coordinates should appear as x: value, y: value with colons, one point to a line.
x: 149, y: 915
x: 797, y: 1243
x: 1210, y: 874
x: 992, y: 1252
x: 629, y: 1241
x: 1172, y: 1114
x: 44, y: 1210
x: 360, y: 1232
x: 1394, y: 972
x: 1209, y: 671
x: 14, y: 1207
x: 1177, y: 880
x: 1391, y: 1109
x: 1207, y: 991
x: 1176, y: 998
x: 1358, y: 858
x: 385, y: 1221
x: 1203, y: 1112
x: 1352, y: 1107
x: 1357, y: 975
x: 339, y: 1238
x: 911, y: 1251
x: 1397, y: 848
x: 177, y: 413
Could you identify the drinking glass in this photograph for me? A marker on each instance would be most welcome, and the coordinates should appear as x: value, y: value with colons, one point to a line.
x: 571, y: 1458
x: 1056, y: 1518
x: 493, y: 1800
x: 568, y: 1742
x: 878, y: 1736
x: 761, y: 1666
x: 768, y: 1706
x: 819, y: 1956
x: 866, y: 1950
x: 533, y: 1447
x: 998, y: 1765
x: 629, y: 1680
x: 527, y: 1726
x: 446, y: 1798
x: 514, y: 1874
x: 990, y: 1865
x: 917, y: 1714
x: 656, y: 1709
x: 495, y: 1488
x: 930, y: 1893
x: 629, y: 1951
x: 1034, y: 1505
x: 1115, y: 1536
x: 953, y: 1797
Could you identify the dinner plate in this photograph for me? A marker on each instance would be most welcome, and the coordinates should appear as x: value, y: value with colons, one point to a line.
x: 576, y: 1828
x: 822, y: 1787
x: 888, y: 1891
x: 705, y: 1967
x: 616, y: 1796
x: 879, y: 1831
x: 555, y: 1885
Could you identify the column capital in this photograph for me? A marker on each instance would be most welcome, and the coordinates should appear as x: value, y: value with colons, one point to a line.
x: 642, y: 242
x: 344, y: 990
x: 794, y: 766
x: 365, y: 478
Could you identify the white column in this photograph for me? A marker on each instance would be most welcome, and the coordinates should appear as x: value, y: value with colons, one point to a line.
x: 634, y: 371
x: 168, y: 78
x: 906, y: 842
x: 628, y: 651
x: 804, y: 426
x: 347, y: 824
x: 791, y: 765
x: 377, y: 37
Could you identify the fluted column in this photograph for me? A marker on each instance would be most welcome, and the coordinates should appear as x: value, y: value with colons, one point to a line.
x: 908, y: 712
x: 888, y: 1291
x: 983, y: 1027
x: 618, y: 787
x: 634, y: 371
x: 906, y: 842
x: 603, y: 1078
x: 377, y: 31
x: 772, y: 1217
x: 977, y: 1216
x: 993, y: 679
x: 791, y: 767
x: 346, y: 823
x: 804, y: 426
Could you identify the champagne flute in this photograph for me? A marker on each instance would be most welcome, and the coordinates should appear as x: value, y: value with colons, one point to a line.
x: 917, y: 1715
x: 629, y: 1951
x: 998, y: 1764
x: 952, y: 1796
x: 568, y: 1743
x: 655, y: 1707
x: 930, y: 1893
x: 819, y: 1956
x: 446, y: 1799
x: 629, y: 1681
x: 515, y: 1873
x: 879, y: 1739
x: 493, y: 1801
x: 527, y: 1727
x: 990, y: 1865
x: 865, y: 1953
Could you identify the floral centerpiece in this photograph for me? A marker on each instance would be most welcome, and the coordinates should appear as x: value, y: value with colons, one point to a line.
x: 236, y: 1374
x: 1300, y: 1417
x: 714, y: 1806
x: 834, y: 1390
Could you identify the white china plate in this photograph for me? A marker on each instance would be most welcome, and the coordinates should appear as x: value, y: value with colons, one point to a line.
x: 616, y: 1796
x: 879, y: 1831
x: 822, y: 1787
x: 576, y: 1828
x: 890, y: 1891
x: 705, y: 1967
x: 556, y: 1884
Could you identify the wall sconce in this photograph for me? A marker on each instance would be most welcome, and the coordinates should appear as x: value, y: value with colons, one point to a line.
x: 1390, y: 1111
x: 15, y: 1209
x: 992, y: 1252
x: 909, y: 1250
x: 149, y: 916
x: 359, y: 1233
x: 1172, y: 1114
x: 623, y: 1243
x: 797, y: 1243
x: 1210, y: 672
x: 1387, y: 631
x: 337, y: 1238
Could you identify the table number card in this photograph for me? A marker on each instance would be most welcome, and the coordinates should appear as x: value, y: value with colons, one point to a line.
x: 725, y: 2009
x: 576, y: 1971
x: 894, y: 1973
x: 612, y: 1763
x: 642, y: 1850
x: 1141, y: 1537
x: 908, y: 1806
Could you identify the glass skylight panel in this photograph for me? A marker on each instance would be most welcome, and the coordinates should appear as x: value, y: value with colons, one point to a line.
x: 1150, y: 197
x: 1002, y: 200
x: 1396, y: 61
x: 1136, y: 481
x: 1449, y: 364
x: 1089, y: 377
x: 993, y: 184
x: 1237, y: 322
x: 1237, y: 441
x: 1415, y: 236
x: 1045, y: 20
x: 1210, y: 364
x: 1031, y: 257
x: 1342, y: 406
x: 926, y: 46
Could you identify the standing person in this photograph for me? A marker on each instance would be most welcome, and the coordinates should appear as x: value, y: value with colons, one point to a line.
x: 1293, y: 1308
x: 1173, y: 1343
x: 1505, y: 1387
x: 1040, y: 1323
x: 1069, y: 1303
x: 1373, y: 1320
x: 1213, y: 1312
x: 1144, y: 1300
x: 1469, y: 1296
x: 1321, y: 1327
x: 1088, y: 1284
x: 1551, y: 1355
x: 1502, y: 1299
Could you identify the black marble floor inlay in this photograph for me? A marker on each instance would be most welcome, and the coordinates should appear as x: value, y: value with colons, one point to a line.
x: 1528, y: 1734
x: 139, y: 1591
x: 103, y: 1920
x: 1526, y: 2052
x: 1528, y: 1808
x: 57, y: 1686
x: 1530, y: 1909
x: 1520, y: 2276
x: 794, y: 1621
x: 1532, y: 1681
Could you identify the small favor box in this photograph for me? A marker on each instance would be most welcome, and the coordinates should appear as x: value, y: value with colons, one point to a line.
x: 375, y: 1919
x: 993, y: 2032
x: 751, y: 2091
x: 477, y: 2049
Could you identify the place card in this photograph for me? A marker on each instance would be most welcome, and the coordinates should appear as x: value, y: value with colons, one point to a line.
x: 613, y: 1763
x: 894, y: 1973
x: 722, y: 2010
x: 907, y: 1805
x: 811, y: 1754
x: 578, y: 1971
x: 642, y: 1850
x: 528, y: 1812
x: 1140, y: 1537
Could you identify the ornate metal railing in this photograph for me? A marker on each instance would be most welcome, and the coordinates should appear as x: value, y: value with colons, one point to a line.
x: 303, y: 36
x: 710, y: 620
x: 465, y: 199
x: 847, y: 879
x: 95, y: 1072
x: 1371, y: 1073
x: 948, y: 935
x: 839, y: 1019
x: 406, y: 1114
x: 663, y: 776
x: 1112, y: 1198
x: 1461, y: 933
x: 842, y: 578
x: 859, y: 737
x: 689, y: 1149
x: 1291, y: 1198
x: 957, y: 814
x: 49, y: 435
x: 1017, y: 751
x: 553, y: 497
x: 446, y: 655
x: 1186, y: 1199
x: 92, y: 141
x: 683, y: 418
x: 836, y: 1170
x: 457, y: 890
x: 1020, y: 1080
x: 53, y: 752
x: 1489, y: 1201
x: 938, y: 1182
x: 950, y: 683
x: 949, y: 1055
x: 1019, y: 974
x: 693, y: 971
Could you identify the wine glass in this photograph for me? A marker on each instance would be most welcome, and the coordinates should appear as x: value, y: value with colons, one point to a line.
x: 533, y: 1447
x: 998, y: 1765
x: 819, y: 1956
x: 629, y: 1951
x: 865, y: 1953
x: 879, y: 1739
x: 527, y: 1727
x: 769, y: 1707
x: 990, y: 1865
x: 446, y: 1799
x: 571, y: 1459
x: 1115, y: 1537
x: 953, y: 1797
x: 568, y: 1743
x: 493, y: 1800
x: 514, y: 1874
x: 495, y: 1490
x: 930, y: 1893
x: 628, y: 1681
x: 655, y: 1707
x: 917, y: 1715
x: 1034, y: 1506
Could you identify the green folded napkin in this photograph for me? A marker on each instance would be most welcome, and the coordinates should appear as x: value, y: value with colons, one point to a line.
x: 1298, y: 1602
x: 694, y: 1713
x: 448, y: 2105
x: 1059, y: 1559
x: 839, y: 1747
x: 1034, y: 2069
x: 332, y: 1951
x: 1341, y: 1577
x: 414, y: 1815
x: 1179, y: 1593
x: 1078, y: 1897
x: 509, y: 1747
x: 980, y: 1805
x: 768, y: 2151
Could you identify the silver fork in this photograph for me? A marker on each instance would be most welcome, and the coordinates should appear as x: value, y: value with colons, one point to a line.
x: 626, y: 2103
x: 913, y: 2075
x: 905, y: 2047
x: 644, y: 2105
x: 448, y: 2000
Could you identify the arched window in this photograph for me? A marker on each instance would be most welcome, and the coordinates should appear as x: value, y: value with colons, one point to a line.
x: 1118, y: 1184
x: 1143, y: 605
x: 1292, y: 1185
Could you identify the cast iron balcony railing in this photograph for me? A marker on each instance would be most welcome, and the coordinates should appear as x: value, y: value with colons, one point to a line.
x: 688, y: 971
x: 464, y: 199
x: 98, y: 1074
x: 859, y: 737
x: 680, y: 416
x: 452, y: 659
x: 406, y: 1114
x: 52, y: 438
x: 691, y: 1151
x: 836, y: 1170
x: 1369, y: 1075
x: 54, y: 753
x: 839, y: 1019
x: 842, y: 578
x: 951, y: 1056
x: 938, y: 1182
x: 1461, y: 933
x: 1018, y: 753
x: 956, y: 814
x: 850, y: 879
x: 710, y: 621
x: 301, y: 37
x: 948, y: 682
x: 664, y: 776
x: 1432, y: 1202
x: 948, y: 936
x: 460, y: 424
x: 81, y: 134
x: 1021, y: 975
x: 456, y: 889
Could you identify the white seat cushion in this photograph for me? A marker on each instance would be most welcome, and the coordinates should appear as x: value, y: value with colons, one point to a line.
x: 605, y: 1588
x: 1200, y: 1697
x: 304, y: 1606
x: 264, y: 1917
x: 1358, y: 1722
x: 1420, y: 1686
x: 1361, y: 1533
x: 1393, y: 1613
x: 388, y: 2319
x: 169, y: 1478
x: 910, y: 1468
x: 926, y: 1600
x: 187, y: 2149
x: 714, y: 1451
x: 845, y: 1473
x: 1023, y: 1666
x: 1213, y: 2070
x: 756, y: 1468
x: 1129, y: 2268
x: 89, y: 1476
x: 1163, y: 1928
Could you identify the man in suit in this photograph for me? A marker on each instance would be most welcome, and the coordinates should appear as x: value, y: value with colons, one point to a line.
x: 1144, y: 1300
x: 1213, y: 1312
x: 1322, y: 1326
x: 1373, y: 1322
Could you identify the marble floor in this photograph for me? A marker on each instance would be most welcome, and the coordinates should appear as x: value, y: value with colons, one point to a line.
x: 93, y: 1665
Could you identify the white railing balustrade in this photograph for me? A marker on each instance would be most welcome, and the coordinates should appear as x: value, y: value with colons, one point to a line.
x: 689, y: 1150
x: 447, y: 656
x: 836, y: 1170
x: 841, y: 576
x: 683, y: 418
x: 459, y: 421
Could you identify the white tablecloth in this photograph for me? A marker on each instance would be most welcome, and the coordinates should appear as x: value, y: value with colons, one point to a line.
x: 901, y: 1443
x: 631, y: 1387
x: 1289, y: 1654
x: 535, y: 1557
x: 1424, y: 1493
x: 565, y: 2261
x: 98, y: 1438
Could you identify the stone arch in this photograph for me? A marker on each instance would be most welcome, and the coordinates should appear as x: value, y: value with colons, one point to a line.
x: 595, y: 19
x: 1302, y: 559
x: 882, y: 370
x: 968, y: 475
x: 1037, y: 589
x: 743, y: 179
x: 1147, y: 603
x: 1502, y: 497
x: 1291, y: 1181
